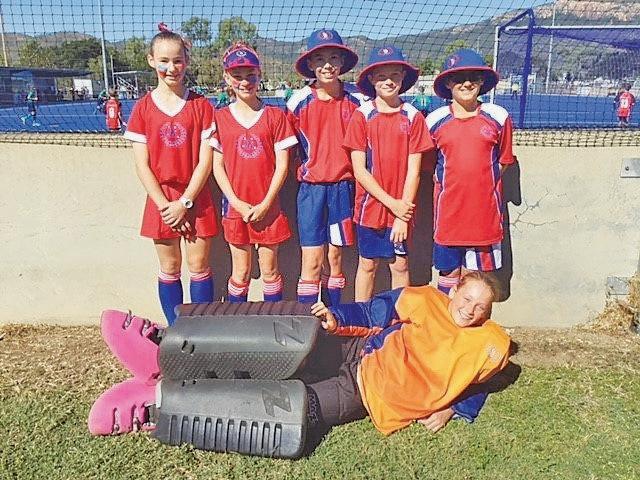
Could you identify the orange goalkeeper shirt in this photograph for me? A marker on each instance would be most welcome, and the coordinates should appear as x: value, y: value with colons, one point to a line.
x: 420, y: 361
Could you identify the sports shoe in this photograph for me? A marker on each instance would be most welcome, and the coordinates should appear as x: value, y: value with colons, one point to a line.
x: 123, y: 408
x: 133, y: 341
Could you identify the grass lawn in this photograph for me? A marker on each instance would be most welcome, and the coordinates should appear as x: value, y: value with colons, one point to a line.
x: 572, y: 412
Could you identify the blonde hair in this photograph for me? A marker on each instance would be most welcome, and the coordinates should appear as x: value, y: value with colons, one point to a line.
x: 488, y: 279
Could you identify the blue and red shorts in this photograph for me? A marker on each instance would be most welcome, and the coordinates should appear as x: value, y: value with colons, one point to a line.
x: 271, y: 230
x: 376, y: 243
x: 485, y: 258
x: 325, y: 212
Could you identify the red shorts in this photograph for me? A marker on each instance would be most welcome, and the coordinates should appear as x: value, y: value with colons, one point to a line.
x: 202, y: 215
x: 273, y: 229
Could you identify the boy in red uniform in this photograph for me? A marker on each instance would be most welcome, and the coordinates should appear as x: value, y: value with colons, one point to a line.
x: 473, y: 142
x: 624, y: 101
x: 386, y: 138
x: 113, y: 112
x: 250, y: 164
x: 169, y: 128
x: 320, y: 113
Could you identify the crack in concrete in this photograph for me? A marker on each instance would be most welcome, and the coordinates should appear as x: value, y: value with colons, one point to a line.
x: 528, y: 208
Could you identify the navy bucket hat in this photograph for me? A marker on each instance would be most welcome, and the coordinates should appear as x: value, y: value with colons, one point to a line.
x: 463, y: 61
x: 325, y: 38
x: 387, y: 55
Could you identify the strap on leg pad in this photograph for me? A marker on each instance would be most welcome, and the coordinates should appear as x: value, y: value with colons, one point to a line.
x: 253, y: 417
x: 259, y: 340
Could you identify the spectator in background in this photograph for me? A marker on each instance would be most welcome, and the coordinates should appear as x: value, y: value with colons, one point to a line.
x: 32, y: 99
x: 515, y: 90
x: 624, y: 103
x: 422, y: 102
x: 113, y: 112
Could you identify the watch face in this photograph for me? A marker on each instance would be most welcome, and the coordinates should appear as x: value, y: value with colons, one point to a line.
x: 187, y: 203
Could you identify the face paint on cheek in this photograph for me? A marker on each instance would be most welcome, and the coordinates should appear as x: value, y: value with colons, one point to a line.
x: 162, y: 68
x: 253, y: 80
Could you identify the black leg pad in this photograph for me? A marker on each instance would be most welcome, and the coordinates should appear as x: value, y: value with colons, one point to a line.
x: 258, y: 340
x: 252, y: 417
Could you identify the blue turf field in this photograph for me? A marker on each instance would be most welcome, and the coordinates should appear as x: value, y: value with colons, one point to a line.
x: 553, y: 111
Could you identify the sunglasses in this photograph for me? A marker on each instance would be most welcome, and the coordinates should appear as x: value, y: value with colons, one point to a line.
x: 461, y: 77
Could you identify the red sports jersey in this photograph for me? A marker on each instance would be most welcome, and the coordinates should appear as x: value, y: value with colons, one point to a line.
x: 387, y: 139
x: 626, y: 101
x: 467, y: 195
x: 112, y: 110
x: 173, y: 141
x: 173, y: 138
x: 321, y: 126
x: 250, y: 152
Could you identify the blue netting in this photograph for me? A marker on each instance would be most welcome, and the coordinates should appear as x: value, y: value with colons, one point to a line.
x: 56, y: 47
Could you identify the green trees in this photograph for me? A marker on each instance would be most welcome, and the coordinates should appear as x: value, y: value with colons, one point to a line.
x: 206, y: 51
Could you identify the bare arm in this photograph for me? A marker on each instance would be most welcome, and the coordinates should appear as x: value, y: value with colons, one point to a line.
x: 222, y: 179
x: 201, y: 173
x: 259, y: 211
x: 399, y: 207
x: 146, y: 176
x: 400, y: 229
x: 412, y: 181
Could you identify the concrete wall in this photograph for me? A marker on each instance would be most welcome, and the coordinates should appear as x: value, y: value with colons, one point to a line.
x: 70, y: 247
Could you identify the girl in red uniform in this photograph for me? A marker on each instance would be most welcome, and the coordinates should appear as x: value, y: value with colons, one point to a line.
x: 251, y: 156
x: 170, y: 128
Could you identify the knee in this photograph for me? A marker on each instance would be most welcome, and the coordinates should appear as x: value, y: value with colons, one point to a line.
x: 170, y: 265
x: 334, y: 255
x: 198, y: 264
x: 399, y: 267
x: 367, y: 265
x: 269, y: 274
x: 311, y: 265
x: 241, y: 272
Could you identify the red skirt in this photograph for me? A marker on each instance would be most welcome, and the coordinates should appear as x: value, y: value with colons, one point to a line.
x: 272, y: 230
x: 202, y: 216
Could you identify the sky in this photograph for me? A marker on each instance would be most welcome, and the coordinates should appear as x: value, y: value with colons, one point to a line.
x: 281, y: 20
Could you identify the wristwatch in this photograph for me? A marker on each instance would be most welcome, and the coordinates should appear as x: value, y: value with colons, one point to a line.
x: 187, y: 202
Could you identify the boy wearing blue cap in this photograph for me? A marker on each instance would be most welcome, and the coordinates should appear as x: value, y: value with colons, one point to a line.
x: 474, y: 146
x: 320, y: 113
x: 386, y: 138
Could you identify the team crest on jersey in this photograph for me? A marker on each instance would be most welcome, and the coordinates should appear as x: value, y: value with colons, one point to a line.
x: 249, y: 146
x: 493, y: 353
x: 453, y: 60
x: 324, y: 35
x: 173, y: 134
x: 487, y: 132
x: 385, y: 51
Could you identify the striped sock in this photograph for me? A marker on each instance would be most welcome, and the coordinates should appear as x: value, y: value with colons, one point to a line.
x: 447, y: 283
x: 170, y: 293
x: 334, y: 287
x: 272, y: 290
x: 237, y: 292
x: 201, y: 286
x: 308, y: 291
